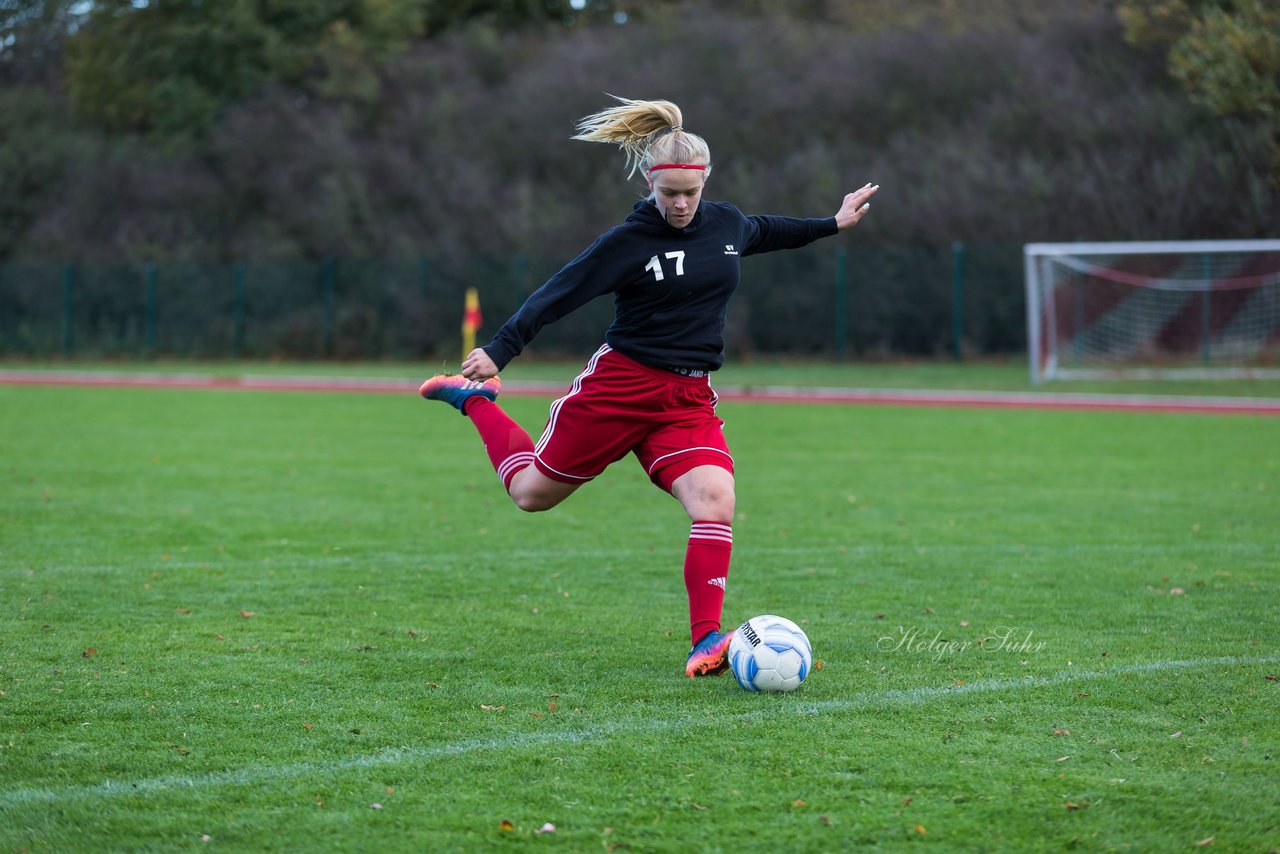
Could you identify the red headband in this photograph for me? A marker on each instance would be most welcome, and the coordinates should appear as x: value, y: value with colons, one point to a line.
x: 658, y: 166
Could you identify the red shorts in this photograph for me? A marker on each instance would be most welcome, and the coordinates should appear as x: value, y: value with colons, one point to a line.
x: 619, y: 406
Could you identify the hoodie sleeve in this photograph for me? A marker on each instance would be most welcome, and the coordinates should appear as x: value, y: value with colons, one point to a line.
x: 581, y: 280
x: 770, y: 233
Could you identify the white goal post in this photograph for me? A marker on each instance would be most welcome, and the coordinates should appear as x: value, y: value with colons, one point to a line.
x: 1197, y: 309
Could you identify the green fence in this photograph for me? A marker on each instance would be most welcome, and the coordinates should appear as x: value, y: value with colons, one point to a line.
x: 851, y: 301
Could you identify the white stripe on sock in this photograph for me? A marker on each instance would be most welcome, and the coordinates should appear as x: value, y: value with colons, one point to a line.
x: 514, y: 463
x: 711, y: 531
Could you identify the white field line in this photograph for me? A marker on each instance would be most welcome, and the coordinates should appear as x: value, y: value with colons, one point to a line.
x: 424, y: 562
x: 253, y: 775
x: 415, y: 562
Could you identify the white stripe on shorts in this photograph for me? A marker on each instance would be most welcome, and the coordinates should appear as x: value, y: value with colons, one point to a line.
x: 559, y: 402
x: 658, y: 462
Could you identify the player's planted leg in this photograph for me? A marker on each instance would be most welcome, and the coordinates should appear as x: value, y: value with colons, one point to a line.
x: 707, y: 495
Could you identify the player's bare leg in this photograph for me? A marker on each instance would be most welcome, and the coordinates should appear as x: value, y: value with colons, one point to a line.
x: 533, y: 491
x: 706, y: 493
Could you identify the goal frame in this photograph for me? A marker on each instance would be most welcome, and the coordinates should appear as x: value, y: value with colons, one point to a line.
x: 1042, y: 345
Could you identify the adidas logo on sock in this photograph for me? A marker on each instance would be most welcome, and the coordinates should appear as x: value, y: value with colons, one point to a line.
x: 718, y: 582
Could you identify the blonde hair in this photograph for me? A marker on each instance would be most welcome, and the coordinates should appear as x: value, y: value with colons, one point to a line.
x: 648, y: 132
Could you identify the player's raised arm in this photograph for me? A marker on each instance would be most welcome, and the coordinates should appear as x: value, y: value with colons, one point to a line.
x: 855, y: 206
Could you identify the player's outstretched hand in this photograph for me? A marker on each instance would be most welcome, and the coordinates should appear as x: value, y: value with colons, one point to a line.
x: 478, y: 366
x: 855, y: 206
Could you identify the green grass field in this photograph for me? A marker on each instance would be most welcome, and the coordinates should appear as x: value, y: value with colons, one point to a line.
x: 284, y: 621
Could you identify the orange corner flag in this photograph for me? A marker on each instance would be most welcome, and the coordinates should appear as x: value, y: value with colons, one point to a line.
x: 471, y: 320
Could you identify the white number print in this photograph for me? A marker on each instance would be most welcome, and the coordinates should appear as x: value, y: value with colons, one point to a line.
x: 656, y: 266
x: 679, y: 256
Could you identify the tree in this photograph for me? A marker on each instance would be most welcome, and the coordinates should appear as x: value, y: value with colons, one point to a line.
x: 36, y: 148
x: 31, y: 37
x: 1225, y: 53
x: 167, y: 69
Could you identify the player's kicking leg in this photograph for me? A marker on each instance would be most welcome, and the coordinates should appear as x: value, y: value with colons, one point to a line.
x: 509, y: 447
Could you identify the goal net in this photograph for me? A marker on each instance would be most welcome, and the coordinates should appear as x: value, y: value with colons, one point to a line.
x: 1165, y: 310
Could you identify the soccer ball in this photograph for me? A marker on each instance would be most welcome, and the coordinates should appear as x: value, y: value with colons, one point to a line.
x: 770, y: 653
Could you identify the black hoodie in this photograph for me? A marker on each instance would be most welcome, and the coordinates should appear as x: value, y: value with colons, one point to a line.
x: 672, y: 284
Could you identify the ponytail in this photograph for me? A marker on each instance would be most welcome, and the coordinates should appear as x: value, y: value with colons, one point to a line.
x: 648, y: 132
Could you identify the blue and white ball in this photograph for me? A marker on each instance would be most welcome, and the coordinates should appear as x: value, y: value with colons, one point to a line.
x: 770, y: 653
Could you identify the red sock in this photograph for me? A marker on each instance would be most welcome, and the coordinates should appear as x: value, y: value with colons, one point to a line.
x: 509, y: 447
x: 706, y: 569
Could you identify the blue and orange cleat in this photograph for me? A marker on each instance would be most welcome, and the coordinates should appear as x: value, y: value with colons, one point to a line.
x: 709, y: 656
x: 456, y: 390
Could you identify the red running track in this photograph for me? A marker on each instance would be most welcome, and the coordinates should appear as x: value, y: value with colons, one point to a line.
x: 774, y: 394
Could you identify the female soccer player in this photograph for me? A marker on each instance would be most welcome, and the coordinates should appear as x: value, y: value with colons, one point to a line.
x: 672, y: 266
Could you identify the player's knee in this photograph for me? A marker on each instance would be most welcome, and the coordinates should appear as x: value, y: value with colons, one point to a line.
x: 531, y: 503
x: 716, y: 505
x: 535, y: 500
x: 533, y: 493
x: 722, y: 509
x: 707, y: 494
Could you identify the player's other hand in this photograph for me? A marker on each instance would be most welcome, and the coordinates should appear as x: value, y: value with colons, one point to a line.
x: 855, y: 206
x: 478, y: 366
